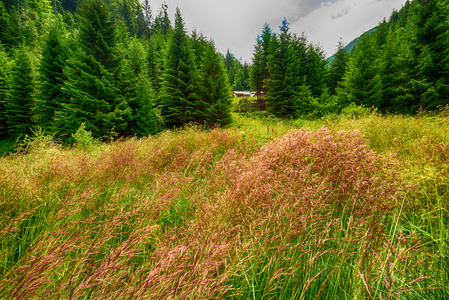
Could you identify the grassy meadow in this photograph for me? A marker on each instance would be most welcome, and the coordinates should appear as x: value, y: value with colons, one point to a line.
x: 344, y: 208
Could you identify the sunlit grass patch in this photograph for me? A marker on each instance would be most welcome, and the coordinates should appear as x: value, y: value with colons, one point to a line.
x: 392, y: 132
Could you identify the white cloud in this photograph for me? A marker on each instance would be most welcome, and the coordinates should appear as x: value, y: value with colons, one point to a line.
x: 235, y: 24
x: 345, y: 19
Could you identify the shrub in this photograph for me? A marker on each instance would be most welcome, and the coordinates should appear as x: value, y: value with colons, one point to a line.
x: 325, y: 106
x: 83, y: 138
x: 356, y: 111
x: 39, y: 140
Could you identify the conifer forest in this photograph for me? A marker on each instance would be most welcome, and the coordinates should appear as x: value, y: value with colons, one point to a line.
x: 114, y: 67
x: 108, y: 65
x: 137, y: 161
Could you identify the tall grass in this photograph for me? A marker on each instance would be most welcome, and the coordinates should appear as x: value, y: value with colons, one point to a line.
x: 356, y: 209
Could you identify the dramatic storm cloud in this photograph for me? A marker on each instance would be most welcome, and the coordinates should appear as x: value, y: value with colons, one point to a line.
x: 235, y: 24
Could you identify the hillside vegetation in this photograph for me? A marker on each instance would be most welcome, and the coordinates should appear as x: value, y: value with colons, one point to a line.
x: 352, y: 209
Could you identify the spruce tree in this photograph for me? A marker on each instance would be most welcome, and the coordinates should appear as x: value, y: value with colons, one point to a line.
x: 259, y: 71
x: 162, y: 21
x: 282, y: 84
x: 337, y: 68
x: 93, y: 77
x: 143, y: 22
x: 240, y: 84
x: 301, y: 60
x: 139, y: 91
x: 246, y: 73
x: 362, y: 83
x: 199, y: 46
x: 232, y: 66
x: 51, y: 79
x: 315, y: 69
x: 305, y: 99
x: 12, y: 34
x: 148, y: 15
x: 157, y: 50
x: 399, y: 18
x: 394, y: 63
x: 180, y: 101
x: 144, y: 120
x: 128, y: 13
x: 429, y: 72
x: 23, y: 22
x: 4, y: 79
x: 215, y: 89
x: 20, y: 99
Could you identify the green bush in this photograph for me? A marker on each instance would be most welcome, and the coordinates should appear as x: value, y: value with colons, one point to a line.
x: 39, y: 140
x: 357, y: 111
x: 326, y: 106
x: 83, y: 138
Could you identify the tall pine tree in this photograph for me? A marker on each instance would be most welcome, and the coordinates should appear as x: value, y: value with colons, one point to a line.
x: 337, y: 68
x: 139, y: 92
x: 162, y: 22
x: 93, y: 77
x: 282, y: 84
x: 315, y: 69
x: 180, y: 101
x: 215, y: 88
x: 362, y: 83
x: 393, y: 66
x: 51, y: 78
x: 429, y: 65
x: 157, y: 50
x: 232, y: 66
x: 20, y: 99
x: 4, y: 79
x: 240, y: 83
x: 259, y: 71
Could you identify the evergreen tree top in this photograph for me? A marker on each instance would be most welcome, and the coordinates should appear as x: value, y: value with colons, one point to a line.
x: 285, y: 26
x: 162, y: 21
x: 266, y: 32
x: 179, y: 22
x: 97, y: 34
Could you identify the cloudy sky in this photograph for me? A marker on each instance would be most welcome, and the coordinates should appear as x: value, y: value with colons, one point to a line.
x: 235, y: 24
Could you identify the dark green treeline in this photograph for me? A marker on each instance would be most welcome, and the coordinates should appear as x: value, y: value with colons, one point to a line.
x: 119, y: 69
x: 400, y: 67
x: 109, y: 65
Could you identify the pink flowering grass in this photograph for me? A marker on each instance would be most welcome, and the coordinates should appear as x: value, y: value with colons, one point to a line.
x: 305, y: 197
x: 222, y: 214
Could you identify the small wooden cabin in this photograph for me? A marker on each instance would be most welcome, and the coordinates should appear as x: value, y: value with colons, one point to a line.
x: 243, y: 94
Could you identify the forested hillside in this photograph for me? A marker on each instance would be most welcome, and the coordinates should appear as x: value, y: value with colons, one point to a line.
x: 400, y: 67
x: 108, y: 67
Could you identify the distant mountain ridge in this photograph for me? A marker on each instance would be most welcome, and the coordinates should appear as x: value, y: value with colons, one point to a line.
x: 353, y: 43
x: 397, y: 18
